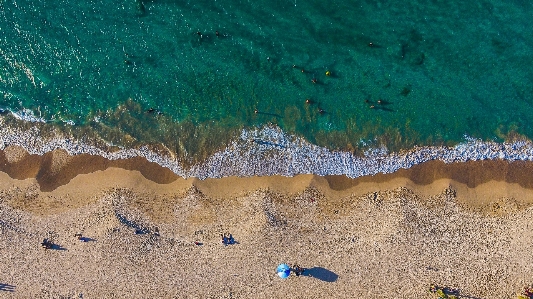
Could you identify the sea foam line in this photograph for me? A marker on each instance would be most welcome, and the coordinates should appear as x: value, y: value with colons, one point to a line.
x: 269, y: 151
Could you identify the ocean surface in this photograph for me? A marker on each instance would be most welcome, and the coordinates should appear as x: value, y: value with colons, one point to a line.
x: 344, y: 75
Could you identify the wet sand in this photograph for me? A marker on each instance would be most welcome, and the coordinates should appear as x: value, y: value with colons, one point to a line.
x: 461, y: 225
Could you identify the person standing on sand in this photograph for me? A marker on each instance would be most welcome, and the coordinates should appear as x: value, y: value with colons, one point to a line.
x: 224, y: 239
x: 297, y: 270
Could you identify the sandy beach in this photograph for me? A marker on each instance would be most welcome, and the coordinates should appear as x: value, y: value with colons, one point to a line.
x: 465, y: 226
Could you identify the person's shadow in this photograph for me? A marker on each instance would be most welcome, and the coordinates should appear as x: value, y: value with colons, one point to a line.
x: 321, y: 274
x: 7, y: 287
x: 87, y: 239
x: 47, y: 244
x: 57, y: 247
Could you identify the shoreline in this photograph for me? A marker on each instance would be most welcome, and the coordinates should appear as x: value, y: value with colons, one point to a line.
x: 269, y: 151
x: 479, y: 185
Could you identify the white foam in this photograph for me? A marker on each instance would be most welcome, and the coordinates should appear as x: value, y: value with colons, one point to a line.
x: 27, y: 115
x: 270, y: 151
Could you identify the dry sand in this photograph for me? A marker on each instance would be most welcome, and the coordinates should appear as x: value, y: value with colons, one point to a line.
x: 466, y: 226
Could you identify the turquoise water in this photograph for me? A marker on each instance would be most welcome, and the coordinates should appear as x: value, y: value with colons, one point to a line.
x: 400, y: 73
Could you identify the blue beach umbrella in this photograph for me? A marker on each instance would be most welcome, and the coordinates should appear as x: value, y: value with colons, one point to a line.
x: 283, y: 271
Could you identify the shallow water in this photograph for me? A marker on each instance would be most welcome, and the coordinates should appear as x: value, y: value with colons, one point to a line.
x: 432, y: 71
